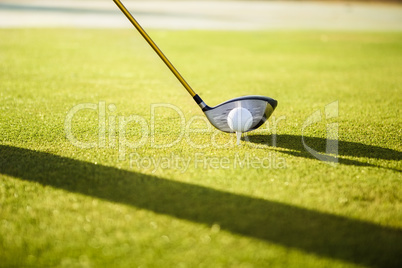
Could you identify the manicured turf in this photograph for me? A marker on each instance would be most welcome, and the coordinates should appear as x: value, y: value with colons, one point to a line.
x: 187, y: 196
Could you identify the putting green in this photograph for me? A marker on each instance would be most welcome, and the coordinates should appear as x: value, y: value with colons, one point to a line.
x: 105, y: 160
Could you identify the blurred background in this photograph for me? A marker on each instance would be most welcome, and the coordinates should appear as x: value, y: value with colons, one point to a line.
x: 221, y: 15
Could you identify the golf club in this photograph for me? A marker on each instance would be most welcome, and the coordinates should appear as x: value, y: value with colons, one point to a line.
x: 260, y: 107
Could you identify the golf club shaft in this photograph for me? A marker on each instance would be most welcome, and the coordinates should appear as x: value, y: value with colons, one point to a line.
x: 155, y: 47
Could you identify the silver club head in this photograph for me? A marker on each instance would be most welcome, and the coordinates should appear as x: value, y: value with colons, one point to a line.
x: 260, y: 108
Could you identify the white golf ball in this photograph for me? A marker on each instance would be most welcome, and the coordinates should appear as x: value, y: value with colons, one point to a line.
x: 240, y: 119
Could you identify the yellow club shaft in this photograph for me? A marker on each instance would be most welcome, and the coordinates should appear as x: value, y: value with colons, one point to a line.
x: 154, y: 46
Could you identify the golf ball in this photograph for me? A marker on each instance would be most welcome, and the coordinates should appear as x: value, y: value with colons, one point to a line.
x: 240, y: 119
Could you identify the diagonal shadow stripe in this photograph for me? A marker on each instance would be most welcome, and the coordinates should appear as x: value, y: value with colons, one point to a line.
x: 346, y: 148
x: 295, y: 227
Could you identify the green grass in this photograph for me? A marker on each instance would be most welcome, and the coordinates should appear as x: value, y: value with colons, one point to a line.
x: 109, y: 206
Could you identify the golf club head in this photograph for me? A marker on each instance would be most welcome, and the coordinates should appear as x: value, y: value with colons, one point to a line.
x: 260, y: 108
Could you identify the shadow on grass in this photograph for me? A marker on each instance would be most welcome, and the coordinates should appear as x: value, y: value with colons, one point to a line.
x: 290, y: 226
x: 294, y: 143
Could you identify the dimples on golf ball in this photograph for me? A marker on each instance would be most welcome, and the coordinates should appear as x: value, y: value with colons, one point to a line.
x: 240, y: 119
